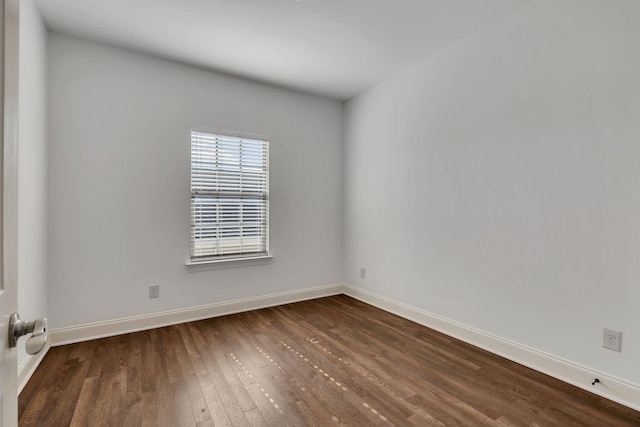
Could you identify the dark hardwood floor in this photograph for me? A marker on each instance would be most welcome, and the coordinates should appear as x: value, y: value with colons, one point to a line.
x: 331, y: 361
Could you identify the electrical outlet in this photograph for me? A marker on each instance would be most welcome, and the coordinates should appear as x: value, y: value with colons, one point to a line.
x: 363, y: 272
x: 154, y: 291
x: 612, y: 339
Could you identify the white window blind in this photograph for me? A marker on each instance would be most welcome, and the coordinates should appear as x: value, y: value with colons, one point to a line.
x: 229, y: 196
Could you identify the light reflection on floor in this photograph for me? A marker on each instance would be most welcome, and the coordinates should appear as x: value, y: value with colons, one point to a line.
x: 318, y: 369
x: 246, y: 372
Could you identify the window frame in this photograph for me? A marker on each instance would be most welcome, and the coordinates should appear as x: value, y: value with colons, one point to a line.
x: 237, y: 259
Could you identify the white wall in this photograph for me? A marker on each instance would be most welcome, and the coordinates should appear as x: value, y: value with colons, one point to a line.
x: 32, y: 168
x: 497, y: 183
x: 119, y: 183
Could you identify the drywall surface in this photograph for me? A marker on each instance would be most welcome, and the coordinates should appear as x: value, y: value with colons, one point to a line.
x: 119, y: 164
x: 497, y: 183
x: 32, y: 168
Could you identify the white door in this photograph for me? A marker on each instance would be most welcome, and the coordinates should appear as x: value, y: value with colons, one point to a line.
x: 8, y: 207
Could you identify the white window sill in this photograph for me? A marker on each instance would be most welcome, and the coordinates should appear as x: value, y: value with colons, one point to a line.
x: 221, y: 264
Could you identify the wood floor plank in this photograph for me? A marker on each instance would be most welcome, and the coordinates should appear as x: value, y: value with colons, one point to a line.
x: 133, y: 415
x: 255, y: 418
x: 192, y: 364
x: 33, y: 391
x: 184, y: 414
x: 84, y: 406
x: 148, y: 413
x: 266, y: 383
x: 150, y: 371
x: 232, y: 408
x: 330, y: 361
x: 211, y: 396
x: 238, y: 393
x: 214, y: 402
x: 34, y: 409
x: 304, y: 374
x: 165, y: 404
x: 62, y: 413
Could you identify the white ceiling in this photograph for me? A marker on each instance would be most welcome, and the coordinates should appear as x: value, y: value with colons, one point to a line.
x: 334, y: 48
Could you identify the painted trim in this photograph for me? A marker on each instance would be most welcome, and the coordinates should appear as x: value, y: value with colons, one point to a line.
x: 611, y: 388
x: 125, y: 325
x: 29, y: 366
x: 226, y: 263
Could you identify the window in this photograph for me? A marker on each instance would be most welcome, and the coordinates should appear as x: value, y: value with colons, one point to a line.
x: 229, y: 196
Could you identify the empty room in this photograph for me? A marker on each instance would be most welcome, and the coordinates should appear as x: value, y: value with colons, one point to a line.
x: 320, y: 212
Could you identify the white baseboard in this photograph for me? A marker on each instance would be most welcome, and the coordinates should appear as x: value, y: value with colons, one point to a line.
x: 28, y: 367
x: 110, y: 328
x: 609, y: 387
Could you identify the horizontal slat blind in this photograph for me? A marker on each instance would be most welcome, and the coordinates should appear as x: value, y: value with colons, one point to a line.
x: 229, y: 196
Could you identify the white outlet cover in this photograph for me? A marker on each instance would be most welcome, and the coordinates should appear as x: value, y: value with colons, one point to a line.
x: 154, y: 291
x: 612, y: 339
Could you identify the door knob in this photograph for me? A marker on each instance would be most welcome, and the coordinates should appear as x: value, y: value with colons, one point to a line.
x: 36, y: 343
x: 37, y: 329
